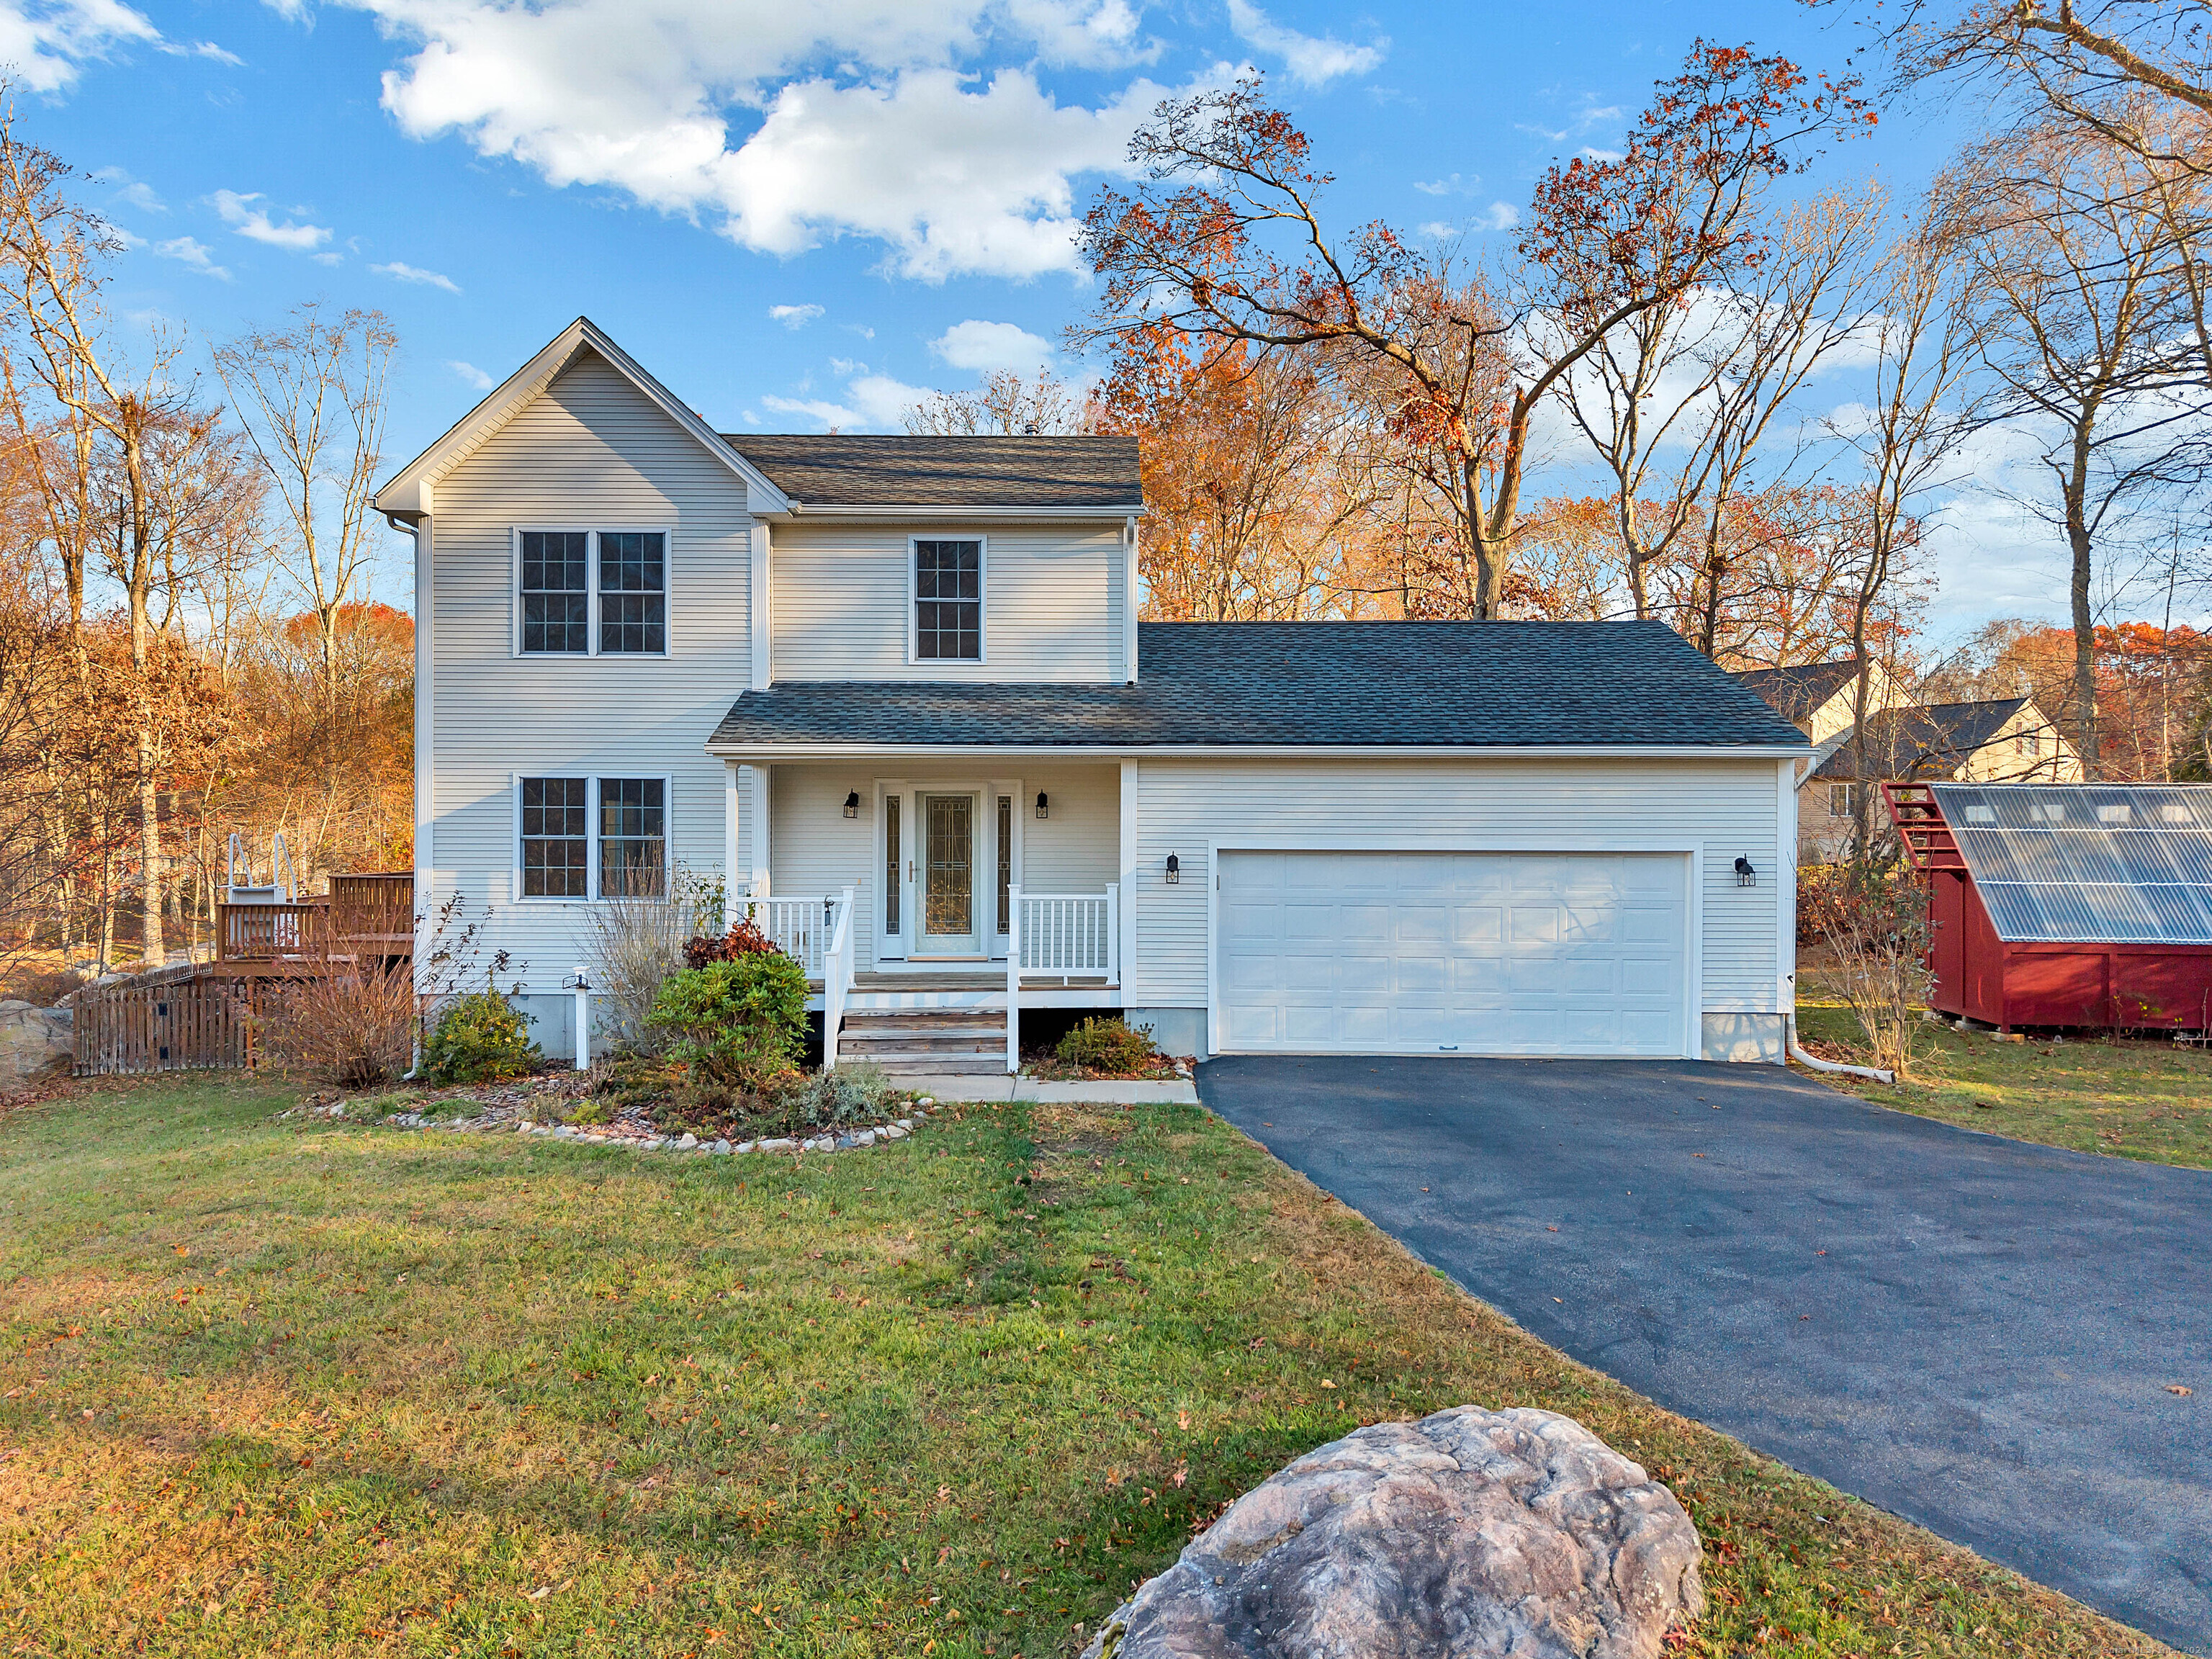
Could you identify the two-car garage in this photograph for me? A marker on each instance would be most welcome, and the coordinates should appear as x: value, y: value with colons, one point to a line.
x: 1478, y: 953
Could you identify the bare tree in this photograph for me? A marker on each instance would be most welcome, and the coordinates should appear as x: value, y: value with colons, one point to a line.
x: 1007, y: 405
x: 312, y: 395
x: 2083, y: 321
x: 1225, y: 241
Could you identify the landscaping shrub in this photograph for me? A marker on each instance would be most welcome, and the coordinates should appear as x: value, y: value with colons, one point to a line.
x: 1109, y: 1045
x: 45, y: 987
x: 1879, y: 930
x: 636, y: 941
x: 352, y: 1027
x: 480, y: 1037
x: 744, y: 940
x: 737, y: 1022
x: 856, y: 1093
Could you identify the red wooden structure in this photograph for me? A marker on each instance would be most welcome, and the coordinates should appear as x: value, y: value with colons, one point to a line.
x: 2017, y: 925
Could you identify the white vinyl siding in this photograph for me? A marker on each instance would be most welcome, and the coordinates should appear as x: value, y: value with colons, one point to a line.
x: 841, y: 605
x: 1537, y: 806
x: 814, y: 848
x: 589, y: 452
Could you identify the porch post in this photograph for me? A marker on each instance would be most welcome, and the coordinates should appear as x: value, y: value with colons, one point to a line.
x: 756, y: 780
x: 1127, y: 907
x: 729, y: 832
x: 1013, y: 979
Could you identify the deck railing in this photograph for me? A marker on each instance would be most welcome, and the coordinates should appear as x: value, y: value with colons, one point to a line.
x: 801, y: 927
x: 267, y: 933
x: 1073, y: 935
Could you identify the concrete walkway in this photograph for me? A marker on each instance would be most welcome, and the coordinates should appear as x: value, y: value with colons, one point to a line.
x: 994, y: 1087
x: 1976, y: 1334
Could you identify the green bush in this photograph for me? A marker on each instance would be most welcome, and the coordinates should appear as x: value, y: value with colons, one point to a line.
x: 737, y: 1023
x: 481, y: 1038
x: 856, y: 1092
x: 1108, y: 1045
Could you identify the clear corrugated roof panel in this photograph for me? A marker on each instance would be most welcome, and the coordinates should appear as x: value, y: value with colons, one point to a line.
x: 2116, y: 863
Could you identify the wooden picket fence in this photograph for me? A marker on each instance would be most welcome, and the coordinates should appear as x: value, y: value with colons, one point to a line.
x: 185, y: 1025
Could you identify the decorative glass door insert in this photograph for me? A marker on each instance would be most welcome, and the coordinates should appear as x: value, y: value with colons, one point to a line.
x: 948, y: 874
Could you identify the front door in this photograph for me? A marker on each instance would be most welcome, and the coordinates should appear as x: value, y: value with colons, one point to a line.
x: 947, y: 907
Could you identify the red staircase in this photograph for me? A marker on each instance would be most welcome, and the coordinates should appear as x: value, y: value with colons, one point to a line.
x: 1926, y: 838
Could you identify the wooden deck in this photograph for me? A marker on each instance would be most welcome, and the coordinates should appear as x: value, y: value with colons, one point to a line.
x: 365, y: 917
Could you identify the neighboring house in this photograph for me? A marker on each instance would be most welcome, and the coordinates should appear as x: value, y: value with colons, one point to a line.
x: 1820, y: 698
x: 1994, y: 740
x: 895, y: 689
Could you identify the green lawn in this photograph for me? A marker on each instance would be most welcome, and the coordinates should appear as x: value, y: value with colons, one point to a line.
x: 2139, y: 1099
x: 275, y: 1387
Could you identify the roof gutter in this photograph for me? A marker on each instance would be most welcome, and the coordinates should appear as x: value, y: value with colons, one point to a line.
x: 860, y: 510
x: 834, y: 752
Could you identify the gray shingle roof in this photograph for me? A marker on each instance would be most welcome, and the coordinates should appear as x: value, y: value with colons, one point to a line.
x: 865, y: 470
x: 1921, y: 743
x: 1796, y: 691
x: 1383, y: 684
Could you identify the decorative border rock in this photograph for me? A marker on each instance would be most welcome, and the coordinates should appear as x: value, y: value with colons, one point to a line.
x: 880, y: 1134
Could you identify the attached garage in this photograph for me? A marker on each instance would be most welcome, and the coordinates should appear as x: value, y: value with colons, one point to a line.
x: 1478, y: 952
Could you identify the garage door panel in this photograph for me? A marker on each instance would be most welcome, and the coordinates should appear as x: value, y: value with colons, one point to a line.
x: 1474, y: 953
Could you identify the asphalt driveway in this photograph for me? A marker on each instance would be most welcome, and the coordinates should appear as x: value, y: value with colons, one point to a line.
x: 1973, y: 1333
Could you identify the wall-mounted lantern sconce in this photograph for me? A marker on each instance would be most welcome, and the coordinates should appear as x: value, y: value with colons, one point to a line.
x: 852, y: 804
x: 1174, y: 870
x: 1044, y: 807
x: 1745, y: 875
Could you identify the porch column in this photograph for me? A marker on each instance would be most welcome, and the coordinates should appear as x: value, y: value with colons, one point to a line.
x: 752, y: 783
x: 1130, y: 886
x: 730, y: 800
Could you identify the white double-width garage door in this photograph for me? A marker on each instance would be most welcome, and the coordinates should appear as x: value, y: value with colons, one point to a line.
x: 1480, y: 953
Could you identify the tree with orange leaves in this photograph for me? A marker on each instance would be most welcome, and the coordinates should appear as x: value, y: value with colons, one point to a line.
x: 1224, y: 241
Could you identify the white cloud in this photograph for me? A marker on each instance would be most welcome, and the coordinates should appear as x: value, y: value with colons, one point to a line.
x: 188, y: 250
x: 469, y: 373
x: 45, y: 47
x: 794, y: 316
x: 1452, y: 184
x: 1499, y: 215
x: 406, y: 273
x: 1309, y: 60
x: 785, y: 125
x: 328, y: 258
x: 1592, y: 153
x: 202, y: 49
x: 239, y: 212
x: 982, y: 347
x: 137, y: 193
x: 1438, y: 230
x: 872, y: 402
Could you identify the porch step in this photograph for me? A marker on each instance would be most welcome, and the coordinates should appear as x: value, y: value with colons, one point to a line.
x: 968, y: 1042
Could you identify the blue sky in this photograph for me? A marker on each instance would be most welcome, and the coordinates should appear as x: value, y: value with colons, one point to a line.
x: 793, y: 214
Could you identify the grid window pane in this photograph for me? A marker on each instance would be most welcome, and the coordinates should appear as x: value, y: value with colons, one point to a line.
x: 633, y: 838
x: 633, y: 591
x: 556, y: 596
x: 556, y: 837
x: 948, y: 601
x: 892, y: 886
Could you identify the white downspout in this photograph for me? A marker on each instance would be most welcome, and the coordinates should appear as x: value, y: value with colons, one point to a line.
x: 1814, y: 1062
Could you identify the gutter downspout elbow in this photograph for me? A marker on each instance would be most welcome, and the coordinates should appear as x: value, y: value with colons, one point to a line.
x: 1814, y: 1062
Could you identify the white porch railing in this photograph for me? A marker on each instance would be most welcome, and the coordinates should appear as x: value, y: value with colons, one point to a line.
x: 1062, y: 935
x: 836, y: 978
x: 801, y: 927
x: 1068, y: 934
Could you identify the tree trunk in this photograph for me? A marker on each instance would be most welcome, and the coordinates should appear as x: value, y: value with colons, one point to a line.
x: 2084, y: 625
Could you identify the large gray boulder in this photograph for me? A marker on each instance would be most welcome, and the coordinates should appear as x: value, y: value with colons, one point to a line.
x: 34, y: 1044
x: 1470, y: 1533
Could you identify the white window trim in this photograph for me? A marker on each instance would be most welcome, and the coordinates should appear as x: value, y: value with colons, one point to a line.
x: 913, y: 657
x: 592, y: 780
x: 666, y: 532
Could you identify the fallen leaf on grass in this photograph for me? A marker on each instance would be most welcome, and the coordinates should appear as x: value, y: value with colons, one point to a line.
x: 2179, y: 1388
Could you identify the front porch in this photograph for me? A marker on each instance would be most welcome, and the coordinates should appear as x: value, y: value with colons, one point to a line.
x: 929, y: 909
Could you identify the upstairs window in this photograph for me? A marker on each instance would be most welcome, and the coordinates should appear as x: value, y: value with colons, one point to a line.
x: 1843, y: 800
x: 948, y: 601
x: 591, y: 592
x: 556, y: 593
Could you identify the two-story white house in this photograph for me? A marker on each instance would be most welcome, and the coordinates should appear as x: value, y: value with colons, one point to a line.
x: 895, y: 689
